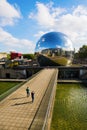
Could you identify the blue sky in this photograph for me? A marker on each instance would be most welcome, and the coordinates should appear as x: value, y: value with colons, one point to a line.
x: 23, y: 22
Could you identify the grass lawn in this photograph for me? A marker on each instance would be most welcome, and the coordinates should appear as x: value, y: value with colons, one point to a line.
x: 4, y: 86
x: 70, y: 107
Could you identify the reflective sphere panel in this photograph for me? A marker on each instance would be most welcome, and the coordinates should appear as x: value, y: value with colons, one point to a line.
x: 54, y: 48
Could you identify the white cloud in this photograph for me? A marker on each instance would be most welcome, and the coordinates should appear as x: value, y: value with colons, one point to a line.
x: 43, y: 15
x: 80, y: 10
x: 8, y: 13
x: 46, y: 15
x: 11, y: 43
x: 72, y: 22
x: 74, y: 25
x: 39, y: 34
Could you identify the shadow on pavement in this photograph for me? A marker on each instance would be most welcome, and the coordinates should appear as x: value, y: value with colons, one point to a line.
x: 22, y: 103
x: 17, y: 98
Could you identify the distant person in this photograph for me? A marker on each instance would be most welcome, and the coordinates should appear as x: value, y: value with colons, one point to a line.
x: 28, y: 91
x: 32, y: 96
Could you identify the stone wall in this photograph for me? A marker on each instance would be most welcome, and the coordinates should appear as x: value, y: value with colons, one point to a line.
x: 11, y: 73
x: 83, y: 74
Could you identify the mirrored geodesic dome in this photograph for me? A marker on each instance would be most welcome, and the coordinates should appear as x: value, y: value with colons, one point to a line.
x: 53, y: 49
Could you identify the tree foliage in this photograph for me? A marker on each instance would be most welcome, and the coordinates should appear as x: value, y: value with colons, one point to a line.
x: 82, y: 53
x: 29, y: 56
x: 8, y: 56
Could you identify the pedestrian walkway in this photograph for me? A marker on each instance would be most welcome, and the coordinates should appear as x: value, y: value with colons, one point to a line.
x: 17, y: 110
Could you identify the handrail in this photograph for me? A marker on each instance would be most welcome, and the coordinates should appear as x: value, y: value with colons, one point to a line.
x: 45, y: 126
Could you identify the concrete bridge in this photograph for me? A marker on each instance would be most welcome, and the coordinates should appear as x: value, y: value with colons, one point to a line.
x: 17, y: 112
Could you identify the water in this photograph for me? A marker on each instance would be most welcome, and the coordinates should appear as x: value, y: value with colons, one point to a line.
x: 70, y: 110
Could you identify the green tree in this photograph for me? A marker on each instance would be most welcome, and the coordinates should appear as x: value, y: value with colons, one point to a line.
x: 8, y: 56
x: 29, y: 56
x: 82, y: 53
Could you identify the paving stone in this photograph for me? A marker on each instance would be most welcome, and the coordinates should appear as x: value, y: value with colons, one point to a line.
x: 17, y: 111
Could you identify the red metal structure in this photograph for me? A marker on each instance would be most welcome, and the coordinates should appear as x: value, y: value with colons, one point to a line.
x: 15, y: 55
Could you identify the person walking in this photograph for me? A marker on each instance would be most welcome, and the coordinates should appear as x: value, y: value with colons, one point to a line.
x: 32, y: 96
x: 28, y: 91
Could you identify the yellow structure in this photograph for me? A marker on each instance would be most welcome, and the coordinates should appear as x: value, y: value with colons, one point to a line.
x: 3, y: 55
x: 12, y: 64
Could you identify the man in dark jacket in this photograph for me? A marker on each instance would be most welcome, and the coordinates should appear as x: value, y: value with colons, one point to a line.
x: 32, y: 96
x: 28, y: 91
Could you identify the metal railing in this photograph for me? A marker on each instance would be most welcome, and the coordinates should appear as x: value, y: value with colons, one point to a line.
x: 47, y: 121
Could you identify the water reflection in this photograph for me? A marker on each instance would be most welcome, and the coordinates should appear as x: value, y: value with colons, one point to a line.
x: 77, y: 102
x: 70, y: 109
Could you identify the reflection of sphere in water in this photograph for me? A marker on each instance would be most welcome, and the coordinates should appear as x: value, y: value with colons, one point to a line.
x: 54, y: 48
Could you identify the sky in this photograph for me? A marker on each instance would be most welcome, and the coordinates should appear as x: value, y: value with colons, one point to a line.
x: 23, y: 22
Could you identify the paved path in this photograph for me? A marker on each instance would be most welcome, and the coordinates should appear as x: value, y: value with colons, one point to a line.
x: 17, y: 111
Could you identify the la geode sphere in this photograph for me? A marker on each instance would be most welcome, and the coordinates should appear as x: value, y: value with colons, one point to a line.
x: 54, y: 49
